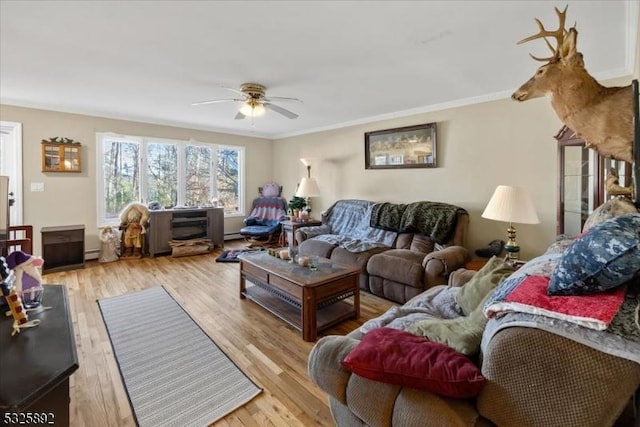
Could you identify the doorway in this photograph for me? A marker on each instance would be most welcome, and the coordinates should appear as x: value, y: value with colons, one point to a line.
x: 11, y: 165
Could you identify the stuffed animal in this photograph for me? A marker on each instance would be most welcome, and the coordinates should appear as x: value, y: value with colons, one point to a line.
x: 28, y: 281
x: 108, y: 245
x: 133, y: 219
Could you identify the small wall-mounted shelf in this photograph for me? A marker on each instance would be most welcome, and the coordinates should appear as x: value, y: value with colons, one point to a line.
x: 61, y: 157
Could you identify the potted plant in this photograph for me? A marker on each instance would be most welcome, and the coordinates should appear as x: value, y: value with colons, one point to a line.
x: 296, y: 204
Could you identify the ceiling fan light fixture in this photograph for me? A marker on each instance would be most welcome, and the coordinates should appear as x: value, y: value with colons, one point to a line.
x: 253, y: 109
x: 254, y: 102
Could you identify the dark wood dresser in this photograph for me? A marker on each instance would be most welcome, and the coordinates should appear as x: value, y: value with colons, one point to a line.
x: 35, y: 365
x: 62, y: 248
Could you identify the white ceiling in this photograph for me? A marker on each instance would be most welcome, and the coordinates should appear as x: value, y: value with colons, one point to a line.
x: 348, y: 61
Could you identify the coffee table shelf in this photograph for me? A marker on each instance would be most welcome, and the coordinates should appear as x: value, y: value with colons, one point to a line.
x: 310, y: 301
x: 325, y: 317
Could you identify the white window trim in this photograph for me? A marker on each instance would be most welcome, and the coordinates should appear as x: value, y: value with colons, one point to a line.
x: 143, y: 141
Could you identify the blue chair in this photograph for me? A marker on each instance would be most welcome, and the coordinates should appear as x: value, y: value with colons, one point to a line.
x: 262, y: 226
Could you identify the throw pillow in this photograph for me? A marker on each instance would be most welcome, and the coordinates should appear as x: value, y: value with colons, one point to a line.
x: 610, y: 209
x: 271, y: 190
x: 483, y: 282
x: 606, y: 256
x: 463, y: 334
x: 396, y: 357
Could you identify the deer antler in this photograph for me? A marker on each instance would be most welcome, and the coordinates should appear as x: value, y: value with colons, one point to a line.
x: 557, y: 34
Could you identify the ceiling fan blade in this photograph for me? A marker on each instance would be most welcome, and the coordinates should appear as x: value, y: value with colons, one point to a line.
x: 239, y: 92
x: 240, y: 116
x: 282, y: 98
x: 215, y: 101
x: 278, y: 109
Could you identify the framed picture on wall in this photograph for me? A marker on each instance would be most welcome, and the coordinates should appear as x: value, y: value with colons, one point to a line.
x: 400, y: 148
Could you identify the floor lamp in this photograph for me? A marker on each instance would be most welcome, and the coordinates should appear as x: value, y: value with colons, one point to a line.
x: 308, y: 187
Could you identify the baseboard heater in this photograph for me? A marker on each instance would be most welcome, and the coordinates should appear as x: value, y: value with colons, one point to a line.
x: 95, y: 253
x: 91, y: 254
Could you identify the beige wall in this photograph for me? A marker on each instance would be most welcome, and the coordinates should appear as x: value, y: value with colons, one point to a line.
x: 70, y: 198
x: 479, y: 147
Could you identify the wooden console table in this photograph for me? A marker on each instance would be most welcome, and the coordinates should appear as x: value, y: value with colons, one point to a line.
x: 36, y: 365
x: 179, y: 224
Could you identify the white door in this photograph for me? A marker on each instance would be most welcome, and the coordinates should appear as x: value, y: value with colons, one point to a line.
x: 11, y: 165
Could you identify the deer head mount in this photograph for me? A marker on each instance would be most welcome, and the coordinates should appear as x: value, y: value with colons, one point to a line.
x: 602, y: 116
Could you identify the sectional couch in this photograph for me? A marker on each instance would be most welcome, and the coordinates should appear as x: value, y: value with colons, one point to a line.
x: 571, y: 359
x: 401, y: 249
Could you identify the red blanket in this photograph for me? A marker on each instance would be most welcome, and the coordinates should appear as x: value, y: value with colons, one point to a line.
x: 593, y: 311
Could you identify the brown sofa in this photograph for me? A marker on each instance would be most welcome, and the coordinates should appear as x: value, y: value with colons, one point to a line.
x: 395, y: 264
x: 535, y: 377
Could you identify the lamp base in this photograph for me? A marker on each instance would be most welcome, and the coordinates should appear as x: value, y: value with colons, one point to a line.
x: 511, y: 247
x: 513, y: 252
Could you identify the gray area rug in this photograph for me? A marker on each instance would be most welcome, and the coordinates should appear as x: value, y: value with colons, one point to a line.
x: 174, y: 374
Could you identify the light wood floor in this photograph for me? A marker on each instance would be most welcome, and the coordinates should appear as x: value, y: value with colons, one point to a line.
x: 268, y: 350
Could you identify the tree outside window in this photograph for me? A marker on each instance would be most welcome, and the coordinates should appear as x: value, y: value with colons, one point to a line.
x: 162, y: 174
x: 227, y: 174
x: 121, y: 171
x: 198, y: 176
x: 173, y: 173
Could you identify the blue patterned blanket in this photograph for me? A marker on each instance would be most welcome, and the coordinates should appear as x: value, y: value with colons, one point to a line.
x: 620, y: 338
x: 267, y: 211
x: 347, y: 224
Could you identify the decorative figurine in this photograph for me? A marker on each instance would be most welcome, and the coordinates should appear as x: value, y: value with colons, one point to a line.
x: 613, y: 187
x: 133, y: 219
x: 28, y: 281
x: 108, y: 245
x: 9, y: 291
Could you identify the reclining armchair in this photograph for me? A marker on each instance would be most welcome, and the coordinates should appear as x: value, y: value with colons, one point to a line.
x: 262, y: 226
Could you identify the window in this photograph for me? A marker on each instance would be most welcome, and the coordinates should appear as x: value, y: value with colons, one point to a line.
x: 228, y: 177
x: 170, y: 172
x: 162, y: 174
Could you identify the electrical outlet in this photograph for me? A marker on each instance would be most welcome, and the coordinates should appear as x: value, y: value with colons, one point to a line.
x: 37, y: 186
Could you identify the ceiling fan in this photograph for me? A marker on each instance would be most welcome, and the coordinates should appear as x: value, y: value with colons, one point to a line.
x: 255, y: 103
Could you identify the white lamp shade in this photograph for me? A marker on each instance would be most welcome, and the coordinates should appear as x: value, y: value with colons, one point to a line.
x: 308, y: 188
x: 511, y: 204
x: 252, y: 109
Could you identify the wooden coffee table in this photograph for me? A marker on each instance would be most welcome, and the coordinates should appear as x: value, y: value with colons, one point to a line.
x: 310, y: 301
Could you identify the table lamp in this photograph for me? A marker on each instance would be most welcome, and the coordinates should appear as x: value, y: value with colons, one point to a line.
x: 308, y: 186
x: 512, y: 205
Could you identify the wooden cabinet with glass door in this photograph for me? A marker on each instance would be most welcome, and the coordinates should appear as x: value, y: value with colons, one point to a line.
x: 582, y: 176
x: 61, y: 157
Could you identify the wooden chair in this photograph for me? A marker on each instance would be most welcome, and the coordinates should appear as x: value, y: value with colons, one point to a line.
x: 20, y: 239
